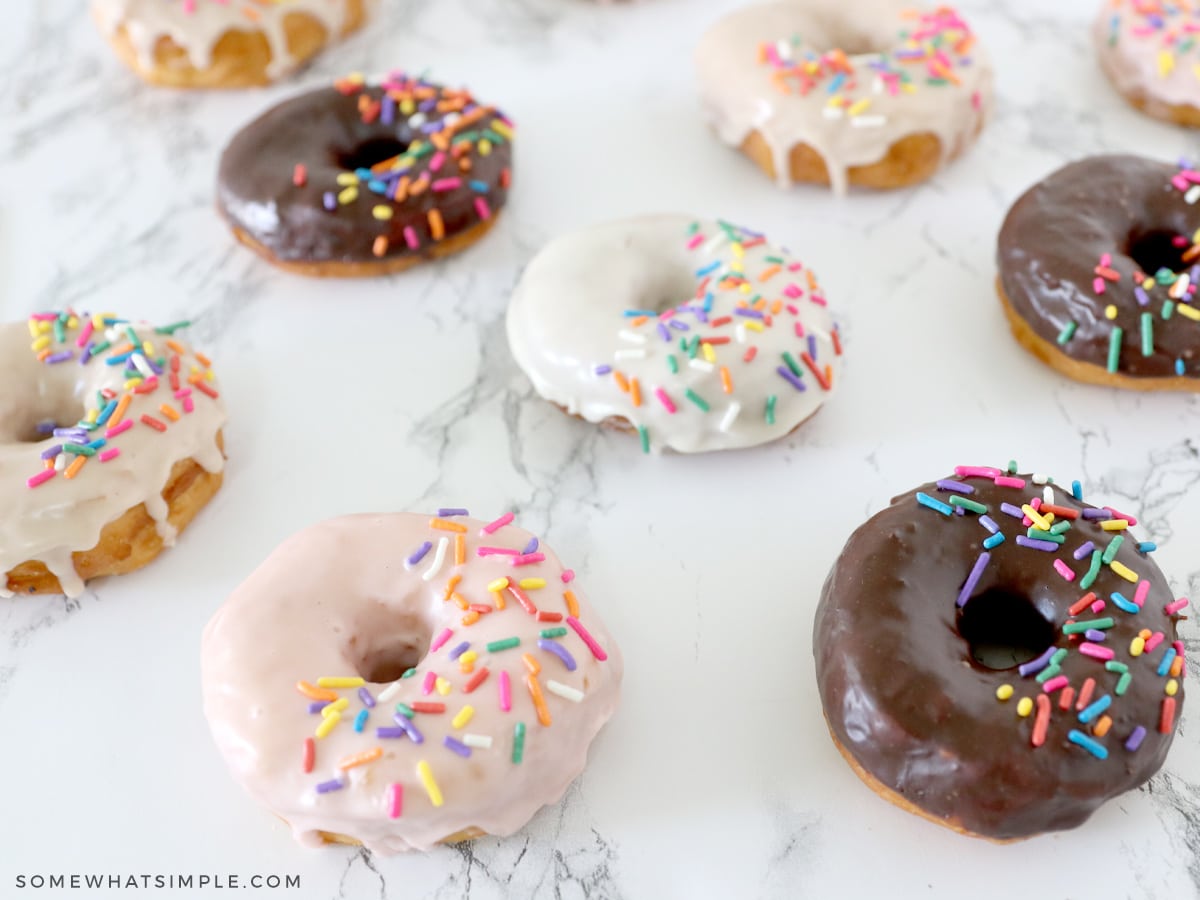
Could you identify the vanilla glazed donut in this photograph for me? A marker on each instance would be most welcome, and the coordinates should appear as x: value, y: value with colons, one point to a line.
x: 1149, y: 51
x: 868, y: 93
x: 223, y: 43
x: 998, y: 656
x: 1098, y: 272
x: 362, y: 178
x: 401, y: 681
x: 110, y: 443
x: 696, y: 334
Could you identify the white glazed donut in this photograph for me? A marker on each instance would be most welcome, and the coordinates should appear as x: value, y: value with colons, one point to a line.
x: 464, y: 672
x: 861, y: 85
x: 1141, y: 49
x: 700, y: 335
x: 100, y: 419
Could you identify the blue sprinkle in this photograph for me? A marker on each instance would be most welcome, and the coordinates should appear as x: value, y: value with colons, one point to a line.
x: 479, y: 187
x: 1076, y: 490
x: 1165, y: 666
x: 1147, y: 547
x: 1095, y: 748
x: 361, y: 720
x: 1179, y: 369
x: 1090, y: 712
x: 1124, y: 605
x: 709, y: 269
x: 994, y: 541
x: 933, y: 503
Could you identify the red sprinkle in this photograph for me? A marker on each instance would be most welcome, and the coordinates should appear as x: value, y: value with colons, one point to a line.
x: 1042, y: 723
x: 310, y: 754
x: 476, y: 680
x: 153, y: 423
x: 299, y: 175
x: 1167, y: 719
x: 423, y: 707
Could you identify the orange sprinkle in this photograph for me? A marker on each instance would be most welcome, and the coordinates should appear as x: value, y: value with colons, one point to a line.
x: 460, y: 549
x: 203, y: 360
x: 539, y: 701
x: 451, y: 584
x: 437, y: 227
x: 638, y: 321
x: 572, y: 603
x: 1176, y: 667
x: 119, y: 412
x: 635, y: 392
x: 176, y: 346
x: 312, y: 692
x: 776, y: 307
x: 380, y: 247
x: 471, y: 617
x: 75, y: 466
x: 459, y: 600
x: 534, y: 667
x: 169, y: 411
x: 122, y: 350
x: 770, y: 272
x: 622, y: 381
x: 358, y: 759
x: 500, y: 601
x: 43, y: 354
x: 447, y: 525
x: 726, y: 380
x: 1102, y: 726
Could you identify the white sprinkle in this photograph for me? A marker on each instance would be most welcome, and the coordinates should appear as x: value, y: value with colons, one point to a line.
x: 877, y: 85
x: 630, y: 354
x: 632, y: 336
x: 783, y: 49
x: 701, y: 365
x: 439, y: 555
x: 832, y: 112
x: 714, y: 243
x: 567, y: 693
x: 1048, y: 494
x: 483, y: 741
x: 740, y: 333
x: 417, y: 120
x: 730, y: 416
x: 1039, y: 478
x: 60, y: 462
x: 868, y: 121
x: 390, y: 691
x: 1192, y: 195
x: 142, y: 365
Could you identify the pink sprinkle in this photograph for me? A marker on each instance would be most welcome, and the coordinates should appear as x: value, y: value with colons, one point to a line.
x: 429, y: 683
x: 482, y: 208
x: 980, y: 471
x: 976, y: 100
x: 1139, y: 595
x: 1179, y: 183
x: 395, y: 800
x: 696, y: 241
x: 446, y: 184
x: 492, y: 527
x: 664, y: 399
x: 110, y: 453
x: 799, y: 329
x: 794, y: 310
x: 528, y: 559
x: 183, y: 392
x: 436, y: 161
x: 1009, y: 481
x: 299, y: 175
x: 124, y: 426
x: 1098, y: 285
x: 188, y: 405
x: 818, y: 300
x: 585, y: 636
x: 44, y: 317
x: 568, y: 576
x: 496, y: 551
x: 1095, y: 651
x: 1155, y: 640
x: 1058, y: 681
x: 793, y: 291
x: 86, y: 333
x: 1120, y: 515
x: 1105, y: 260
x: 410, y: 238
x: 1171, y: 608
x: 1097, y: 606
x: 40, y: 478
x: 505, y: 692
x: 1064, y: 570
x: 440, y: 640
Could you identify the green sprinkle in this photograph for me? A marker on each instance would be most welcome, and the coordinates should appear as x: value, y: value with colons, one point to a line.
x: 409, y: 673
x: 78, y: 450
x: 972, y: 505
x: 697, y: 399
x: 171, y: 329
x: 1164, y: 276
x: 506, y: 644
x: 1147, y: 334
x: 1080, y: 627
x: 405, y: 710
x: 644, y: 434
x: 693, y: 346
x: 1113, y: 666
x: 1039, y: 535
x: 1061, y: 527
x: 1093, y: 570
x: 1012, y: 467
x: 518, y: 743
x: 672, y: 364
x: 548, y: 633
x: 1114, y: 348
x: 1111, y: 550
x: 792, y: 364
x: 1047, y: 673
x: 60, y: 333
x: 693, y: 228
x: 1123, y: 683
x: 770, y: 411
x: 1059, y: 655
x: 132, y: 335
x: 1068, y: 332
x: 101, y: 347
x: 1168, y: 309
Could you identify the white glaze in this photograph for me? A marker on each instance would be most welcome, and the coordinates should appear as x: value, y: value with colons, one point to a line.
x: 740, y: 96
x: 566, y: 317
x: 63, y: 516
x: 1143, y: 61
x: 340, y: 594
x: 199, y: 26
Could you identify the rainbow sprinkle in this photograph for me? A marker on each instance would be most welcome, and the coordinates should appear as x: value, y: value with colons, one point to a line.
x: 1170, y: 26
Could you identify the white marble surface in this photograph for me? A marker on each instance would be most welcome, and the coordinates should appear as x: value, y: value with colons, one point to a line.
x: 717, y: 777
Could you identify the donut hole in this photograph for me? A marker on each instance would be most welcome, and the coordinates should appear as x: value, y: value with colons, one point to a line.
x: 35, y: 418
x: 381, y: 659
x: 369, y: 153
x: 1158, y: 249
x: 854, y: 38
x: 1003, y: 629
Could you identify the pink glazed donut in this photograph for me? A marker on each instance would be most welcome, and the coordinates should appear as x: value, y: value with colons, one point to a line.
x: 399, y: 681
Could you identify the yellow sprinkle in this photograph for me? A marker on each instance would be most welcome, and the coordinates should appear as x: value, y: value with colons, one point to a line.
x: 356, y: 78
x: 328, y: 723
x: 443, y: 686
x: 73, y: 321
x: 93, y: 415
x: 1124, y: 571
x: 498, y: 585
x: 1166, y: 63
x: 1188, y: 312
x: 1004, y: 692
x: 335, y: 707
x: 148, y: 348
x: 35, y: 327
x: 333, y: 681
x: 1036, y: 518
x: 1172, y: 688
x: 348, y: 195
x: 484, y: 147
x: 1110, y: 312
x: 468, y: 658
x: 709, y: 353
x: 40, y: 344
x: 131, y: 383
x: 737, y: 249
x: 347, y: 179
x: 859, y: 107
x: 1137, y: 645
x: 1114, y: 525
x: 745, y: 288
x: 425, y: 773
x: 463, y: 717
x: 408, y: 106
x: 532, y: 584
x: 502, y: 129
x: 381, y: 212
x: 1024, y: 707
x: 753, y: 326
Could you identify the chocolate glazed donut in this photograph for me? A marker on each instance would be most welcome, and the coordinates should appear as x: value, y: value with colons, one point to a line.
x: 360, y: 179
x: 1097, y: 276
x: 976, y: 671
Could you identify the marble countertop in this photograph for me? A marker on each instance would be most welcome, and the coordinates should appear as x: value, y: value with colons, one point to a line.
x: 717, y: 777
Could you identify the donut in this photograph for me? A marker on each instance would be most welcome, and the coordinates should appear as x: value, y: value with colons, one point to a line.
x: 868, y: 93
x: 694, y: 334
x: 400, y: 681
x: 364, y: 179
x: 998, y: 656
x: 223, y: 44
x: 1145, y: 49
x: 110, y: 443
x: 1097, y: 272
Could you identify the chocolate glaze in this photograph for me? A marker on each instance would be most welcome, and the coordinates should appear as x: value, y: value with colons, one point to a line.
x: 1053, y: 239
x: 324, y: 131
x: 904, y: 697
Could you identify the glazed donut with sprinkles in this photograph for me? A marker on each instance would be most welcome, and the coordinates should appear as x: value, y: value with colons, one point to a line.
x: 363, y: 178
x: 998, y: 656
x: 110, y: 443
x: 402, y: 680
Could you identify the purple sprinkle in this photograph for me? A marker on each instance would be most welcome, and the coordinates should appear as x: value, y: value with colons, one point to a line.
x: 973, y: 578
x: 989, y: 523
x: 460, y: 650
x: 432, y: 127
x: 1101, y: 514
x: 602, y: 370
x: 409, y: 728
x: 427, y: 105
x: 790, y: 378
x: 1083, y: 549
x: 390, y: 732
x: 368, y: 700
x: 329, y: 201
x: 317, y: 705
x: 664, y: 332
x: 1036, y: 665
x: 747, y: 312
x: 457, y: 746
x: 560, y: 651
x: 812, y: 346
x: 87, y: 354
x: 61, y: 356
x: 334, y: 784
x: 387, y: 111
x: 1094, y: 634
x: 948, y: 484
x: 419, y: 553
x: 531, y: 547
x: 959, y: 511
x: 679, y: 326
x: 1034, y: 544
x: 449, y: 512
x: 1135, y: 739
x: 1009, y: 510
x: 1142, y: 298
x: 51, y: 452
